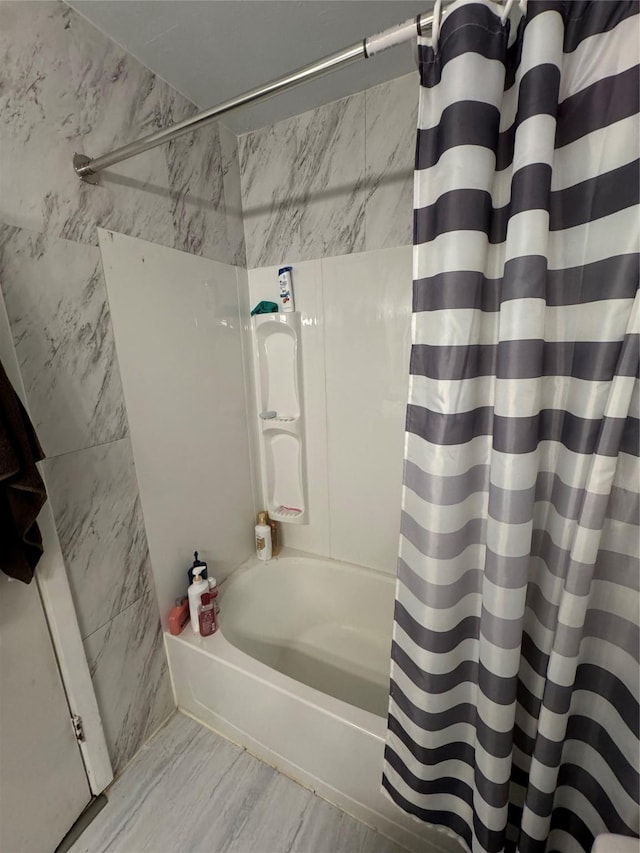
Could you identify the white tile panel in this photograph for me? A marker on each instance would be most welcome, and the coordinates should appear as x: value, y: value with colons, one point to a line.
x: 367, y: 320
x: 184, y: 388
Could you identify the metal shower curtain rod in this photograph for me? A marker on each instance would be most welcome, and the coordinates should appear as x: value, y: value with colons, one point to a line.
x: 87, y: 168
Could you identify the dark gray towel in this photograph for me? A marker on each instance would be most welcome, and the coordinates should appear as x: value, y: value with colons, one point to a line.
x: 22, y: 492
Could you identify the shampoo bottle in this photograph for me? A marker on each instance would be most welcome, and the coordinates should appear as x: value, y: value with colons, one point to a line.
x: 194, y: 592
x: 263, y: 537
x: 286, y: 289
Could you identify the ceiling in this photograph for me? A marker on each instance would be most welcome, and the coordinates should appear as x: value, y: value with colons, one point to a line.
x: 212, y: 50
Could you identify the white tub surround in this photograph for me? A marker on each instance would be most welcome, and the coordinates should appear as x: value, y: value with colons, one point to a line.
x: 294, y: 675
x: 355, y: 314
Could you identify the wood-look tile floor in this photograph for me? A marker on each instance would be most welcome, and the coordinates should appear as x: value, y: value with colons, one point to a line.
x: 191, y: 790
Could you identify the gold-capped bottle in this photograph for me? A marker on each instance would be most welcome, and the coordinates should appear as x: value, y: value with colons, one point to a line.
x: 263, y: 537
x: 275, y: 536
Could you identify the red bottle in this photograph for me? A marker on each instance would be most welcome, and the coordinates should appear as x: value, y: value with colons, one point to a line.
x: 207, y: 616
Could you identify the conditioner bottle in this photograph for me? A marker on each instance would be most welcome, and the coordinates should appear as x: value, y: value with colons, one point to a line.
x: 263, y: 537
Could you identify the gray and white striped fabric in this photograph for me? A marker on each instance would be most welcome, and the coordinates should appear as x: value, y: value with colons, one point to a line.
x: 513, y: 717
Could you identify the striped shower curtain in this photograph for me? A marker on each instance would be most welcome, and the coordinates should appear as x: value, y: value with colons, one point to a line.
x: 513, y: 717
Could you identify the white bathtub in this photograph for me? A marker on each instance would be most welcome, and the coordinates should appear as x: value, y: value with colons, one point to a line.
x: 322, y: 623
x: 298, y: 675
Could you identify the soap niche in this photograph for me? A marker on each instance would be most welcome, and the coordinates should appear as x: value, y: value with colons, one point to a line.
x: 280, y: 413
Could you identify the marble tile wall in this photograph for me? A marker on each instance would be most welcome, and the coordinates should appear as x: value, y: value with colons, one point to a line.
x: 64, y: 87
x: 332, y: 181
x: 56, y: 301
x: 130, y: 674
x: 391, y: 119
x: 95, y: 501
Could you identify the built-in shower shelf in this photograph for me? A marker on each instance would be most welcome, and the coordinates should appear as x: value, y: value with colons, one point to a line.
x: 290, y: 425
x: 285, y: 513
x: 279, y: 389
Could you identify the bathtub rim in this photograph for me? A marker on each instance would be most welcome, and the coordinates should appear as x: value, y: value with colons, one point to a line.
x: 294, y: 553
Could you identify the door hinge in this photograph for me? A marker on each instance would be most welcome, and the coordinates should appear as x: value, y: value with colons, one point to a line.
x: 78, y: 730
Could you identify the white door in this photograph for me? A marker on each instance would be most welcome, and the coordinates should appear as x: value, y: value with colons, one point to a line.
x: 43, y: 784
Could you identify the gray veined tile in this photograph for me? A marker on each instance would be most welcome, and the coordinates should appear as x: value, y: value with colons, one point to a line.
x: 194, y: 164
x: 56, y: 302
x: 303, y: 185
x: 218, y: 812
x: 131, y: 798
x: 392, y: 118
x: 331, y: 161
x: 232, y: 195
x: 96, y: 505
x: 131, y: 678
x: 39, y: 123
x: 272, y: 199
x: 191, y: 790
x: 271, y: 819
x: 157, y: 787
x: 326, y: 829
x: 117, y: 101
x: 66, y: 87
x: 376, y: 843
x: 230, y: 802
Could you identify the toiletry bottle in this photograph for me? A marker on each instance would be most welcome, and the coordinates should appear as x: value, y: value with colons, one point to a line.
x: 263, y: 537
x: 275, y: 537
x: 286, y: 289
x: 197, y: 564
x: 207, y: 616
x: 179, y: 615
x: 213, y: 591
x: 194, y: 592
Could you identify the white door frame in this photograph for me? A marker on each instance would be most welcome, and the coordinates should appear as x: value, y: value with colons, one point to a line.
x: 53, y: 585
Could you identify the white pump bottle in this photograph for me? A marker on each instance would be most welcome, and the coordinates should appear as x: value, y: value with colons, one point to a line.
x: 195, y: 591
